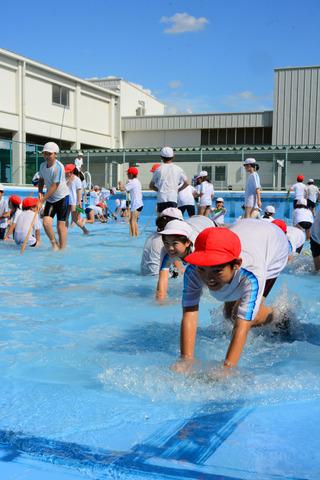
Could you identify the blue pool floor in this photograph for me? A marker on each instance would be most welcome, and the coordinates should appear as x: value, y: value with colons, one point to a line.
x: 86, y: 388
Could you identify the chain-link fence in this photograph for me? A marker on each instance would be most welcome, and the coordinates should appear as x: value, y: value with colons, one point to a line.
x: 279, y: 166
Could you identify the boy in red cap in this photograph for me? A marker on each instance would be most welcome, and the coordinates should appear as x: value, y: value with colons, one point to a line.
x: 239, y: 266
x: 299, y: 189
x: 133, y: 186
x: 29, y: 206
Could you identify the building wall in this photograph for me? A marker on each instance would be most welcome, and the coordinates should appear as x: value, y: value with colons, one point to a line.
x: 297, y: 106
x: 131, y: 97
x: 177, y: 138
x: 92, y: 116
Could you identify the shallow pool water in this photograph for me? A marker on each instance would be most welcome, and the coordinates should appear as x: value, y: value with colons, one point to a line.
x: 85, y: 355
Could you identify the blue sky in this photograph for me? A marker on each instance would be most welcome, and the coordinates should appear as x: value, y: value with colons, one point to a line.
x: 195, y: 56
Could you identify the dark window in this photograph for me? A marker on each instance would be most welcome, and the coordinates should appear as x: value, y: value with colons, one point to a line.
x: 231, y: 136
x: 267, y: 135
x: 205, y: 137
x: 249, y: 136
x: 222, y: 136
x: 213, y: 136
x: 220, y: 174
x: 258, y: 136
x: 240, y: 136
x: 60, y: 95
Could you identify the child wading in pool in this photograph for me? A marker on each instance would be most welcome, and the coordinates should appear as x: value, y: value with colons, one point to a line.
x: 239, y: 266
x: 133, y: 186
x: 15, y: 210
x: 29, y: 207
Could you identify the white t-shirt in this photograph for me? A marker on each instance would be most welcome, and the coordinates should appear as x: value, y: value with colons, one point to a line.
x: 185, y: 196
x: 22, y: 227
x: 218, y: 216
x: 206, y: 191
x: 167, y: 179
x: 150, y: 261
x: 299, y: 190
x: 296, y: 237
x: 312, y: 192
x: 253, y: 182
x: 74, y: 186
x: 105, y: 194
x: 123, y: 204
x: 94, y: 197
x: 78, y: 162
x: 134, y: 187
x: 54, y: 174
x: 315, y: 229
x: 302, y: 215
x: 264, y: 254
x: 4, y: 208
x: 15, y: 216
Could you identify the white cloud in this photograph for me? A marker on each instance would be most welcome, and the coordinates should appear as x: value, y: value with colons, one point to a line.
x: 175, y: 84
x: 248, y: 100
x: 183, y: 22
x: 184, y: 103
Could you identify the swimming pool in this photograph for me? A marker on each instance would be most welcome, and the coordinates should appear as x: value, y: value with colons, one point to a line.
x: 86, y: 384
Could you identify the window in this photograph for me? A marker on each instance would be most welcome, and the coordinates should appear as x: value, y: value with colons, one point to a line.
x: 222, y: 136
x: 220, y: 174
x: 60, y: 95
x: 205, y: 137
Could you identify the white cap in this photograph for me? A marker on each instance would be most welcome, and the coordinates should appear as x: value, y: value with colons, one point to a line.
x: 167, y: 152
x: 203, y: 173
x: 80, y: 154
x: 249, y: 161
x: 172, y: 212
x: 51, y: 147
x: 1, y: 187
x: 177, y: 227
x: 310, y: 180
x: 302, y: 201
x: 219, y: 199
x: 270, y: 209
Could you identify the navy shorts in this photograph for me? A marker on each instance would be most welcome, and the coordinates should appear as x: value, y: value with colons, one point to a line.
x: 163, y: 205
x: 315, y: 248
x: 59, y: 208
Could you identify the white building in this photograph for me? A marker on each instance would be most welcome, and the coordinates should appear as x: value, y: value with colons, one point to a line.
x: 38, y: 103
x: 134, y: 100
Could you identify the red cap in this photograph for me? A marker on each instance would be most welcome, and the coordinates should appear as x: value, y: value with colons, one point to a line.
x: 29, y: 202
x: 100, y: 204
x: 70, y: 167
x: 155, y: 167
x: 133, y: 170
x: 281, y: 224
x: 15, y: 200
x: 300, y: 178
x: 215, y: 246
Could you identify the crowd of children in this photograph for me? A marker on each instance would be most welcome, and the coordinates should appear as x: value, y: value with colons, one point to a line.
x: 239, y: 263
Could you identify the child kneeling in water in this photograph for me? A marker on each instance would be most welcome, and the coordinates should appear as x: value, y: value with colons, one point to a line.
x: 29, y: 207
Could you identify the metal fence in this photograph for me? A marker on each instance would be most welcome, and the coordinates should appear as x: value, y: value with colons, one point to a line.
x: 279, y: 166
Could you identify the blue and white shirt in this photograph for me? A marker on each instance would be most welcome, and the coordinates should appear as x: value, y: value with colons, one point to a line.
x: 54, y: 174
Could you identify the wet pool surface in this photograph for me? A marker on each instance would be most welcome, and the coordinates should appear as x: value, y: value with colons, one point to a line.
x: 85, y: 355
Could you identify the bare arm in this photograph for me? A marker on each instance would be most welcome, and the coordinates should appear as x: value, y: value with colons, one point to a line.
x: 40, y: 187
x: 183, y: 186
x: 152, y: 186
x: 162, y: 285
x: 37, y: 235
x: 79, y: 191
x: 10, y: 231
x: 258, y: 192
x: 188, y: 333
x: 238, y: 341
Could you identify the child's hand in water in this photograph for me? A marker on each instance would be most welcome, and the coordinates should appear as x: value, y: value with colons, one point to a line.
x: 183, y: 365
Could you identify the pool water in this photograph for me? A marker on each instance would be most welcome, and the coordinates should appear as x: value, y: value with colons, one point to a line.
x: 85, y: 355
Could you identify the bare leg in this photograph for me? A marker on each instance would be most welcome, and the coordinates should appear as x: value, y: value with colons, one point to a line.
x: 201, y: 210
x: 79, y: 221
x: 47, y: 225
x: 62, y: 233
x: 247, y: 212
x: 316, y: 261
